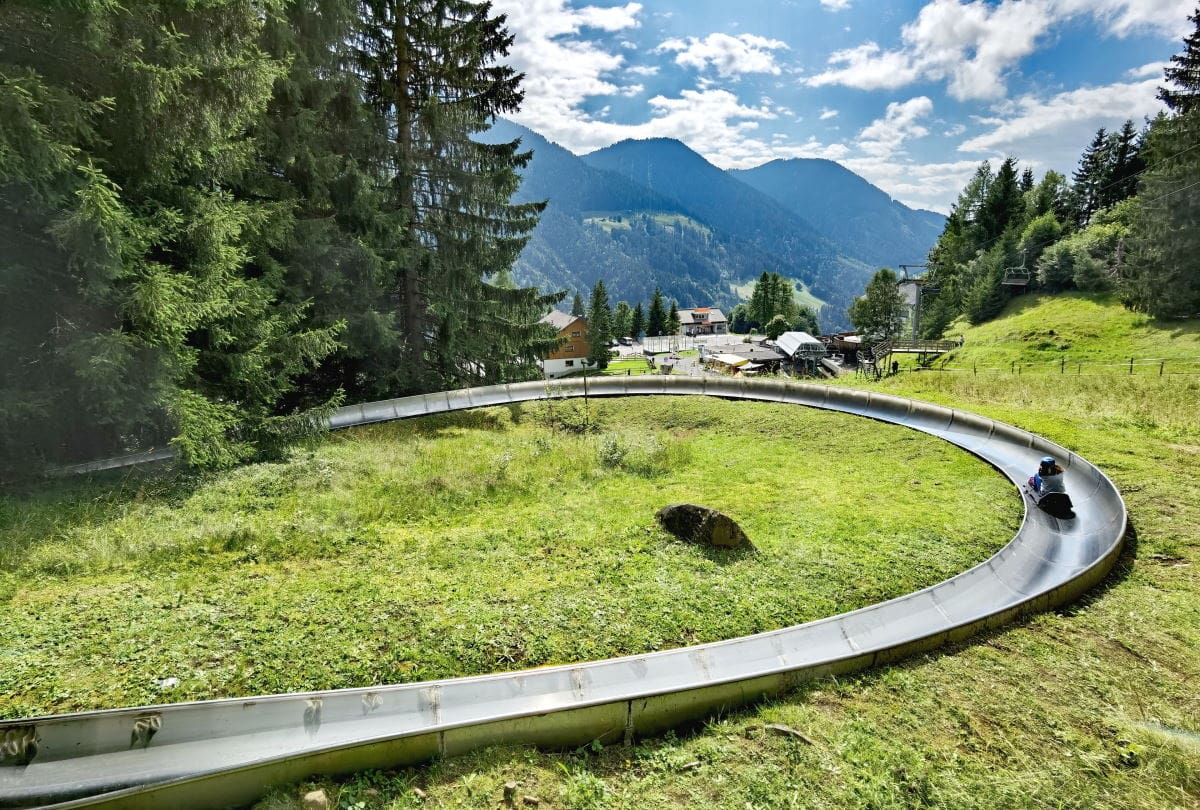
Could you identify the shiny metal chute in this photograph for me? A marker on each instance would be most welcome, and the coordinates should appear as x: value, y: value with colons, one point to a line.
x: 221, y: 752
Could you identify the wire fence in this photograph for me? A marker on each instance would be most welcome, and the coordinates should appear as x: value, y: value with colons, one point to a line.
x: 1146, y: 367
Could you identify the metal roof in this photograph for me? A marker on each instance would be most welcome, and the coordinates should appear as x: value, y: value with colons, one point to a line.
x: 800, y: 343
x: 560, y: 320
x: 714, y: 316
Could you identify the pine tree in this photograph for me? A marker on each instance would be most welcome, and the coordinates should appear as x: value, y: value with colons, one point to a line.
x: 1162, y: 270
x: 1184, y: 73
x: 1004, y: 204
x: 433, y: 79
x: 673, y: 323
x: 152, y: 306
x: 1026, y: 184
x: 622, y: 320
x: 577, y: 307
x: 599, y: 326
x: 1091, y: 176
x: 656, y: 320
x: 1121, y: 180
x: 637, y: 324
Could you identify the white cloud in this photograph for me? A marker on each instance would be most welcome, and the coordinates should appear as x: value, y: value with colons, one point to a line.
x: 1146, y: 71
x: 561, y: 69
x: 730, y: 55
x: 632, y: 90
x: 1124, y: 17
x: 955, y: 131
x: 613, y: 18
x: 827, y: 113
x: 883, y: 137
x: 867, y: 67
x: 1055, y: 130
x: 972, y: 45
x: 919, y: 185
x: 835, y: 5
x: 644, y: 70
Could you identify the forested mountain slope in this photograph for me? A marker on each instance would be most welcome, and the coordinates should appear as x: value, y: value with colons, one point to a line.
x: 863, y: 221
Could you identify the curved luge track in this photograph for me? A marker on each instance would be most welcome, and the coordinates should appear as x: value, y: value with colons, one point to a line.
x: 221, y: 752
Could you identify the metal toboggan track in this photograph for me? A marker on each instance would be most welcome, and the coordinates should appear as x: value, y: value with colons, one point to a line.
x: 221, y: 752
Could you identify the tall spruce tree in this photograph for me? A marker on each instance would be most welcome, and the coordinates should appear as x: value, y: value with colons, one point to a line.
x: 1026, y: 184
x: 1091, y: 176
x: 434, y: 79
x: 1162, y: 273
x: 578, y: 309
x: 1004, y: 204
x: 656, y: 318
x: 673, y: 323
x: 622, y: 320
x: 637, y: 323
x: 140, y: 298
x: 599, y: 326
x: 1184, y: 73
x: 1125, y: 166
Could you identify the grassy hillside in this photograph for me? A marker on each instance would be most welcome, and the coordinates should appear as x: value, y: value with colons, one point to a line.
x: 1091, y: 706
x: 1045, y: 330
x: 470, y: 543
x: 803, y: 295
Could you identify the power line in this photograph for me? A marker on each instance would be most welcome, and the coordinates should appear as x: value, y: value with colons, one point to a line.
x: 1147, y: 168
x: 1172, y: 193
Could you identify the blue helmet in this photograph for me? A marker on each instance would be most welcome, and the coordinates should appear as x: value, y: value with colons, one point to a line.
x: 1049, y: 461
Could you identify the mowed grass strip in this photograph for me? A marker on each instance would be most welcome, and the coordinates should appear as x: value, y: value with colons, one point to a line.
x: 471, y: 543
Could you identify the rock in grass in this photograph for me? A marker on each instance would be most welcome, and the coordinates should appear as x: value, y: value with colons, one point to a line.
x: 315, y: 800
x: 700, y: 524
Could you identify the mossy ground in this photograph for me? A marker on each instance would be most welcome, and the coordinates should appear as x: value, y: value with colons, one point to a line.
x: 470, y: 543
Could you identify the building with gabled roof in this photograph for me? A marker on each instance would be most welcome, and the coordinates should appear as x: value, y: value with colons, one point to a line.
x: 572, y: 354
x: 703, y: 321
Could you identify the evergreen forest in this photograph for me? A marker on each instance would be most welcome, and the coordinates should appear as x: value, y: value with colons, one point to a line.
x: 220, y: 219
x: 1127, y: 220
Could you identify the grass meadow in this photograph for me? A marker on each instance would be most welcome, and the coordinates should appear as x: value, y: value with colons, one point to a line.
x: 510, y: 538
x: 470, y: 543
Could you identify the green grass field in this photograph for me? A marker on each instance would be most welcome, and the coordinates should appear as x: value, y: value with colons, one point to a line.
x: 471, y: 543
x: 1091, y: 706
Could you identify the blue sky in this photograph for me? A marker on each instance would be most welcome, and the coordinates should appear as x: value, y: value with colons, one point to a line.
x: 911, y: 95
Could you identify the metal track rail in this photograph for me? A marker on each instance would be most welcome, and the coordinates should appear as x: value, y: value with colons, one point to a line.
x: 221, y: 752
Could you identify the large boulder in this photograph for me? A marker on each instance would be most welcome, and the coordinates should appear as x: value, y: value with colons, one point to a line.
x: 700, y: 524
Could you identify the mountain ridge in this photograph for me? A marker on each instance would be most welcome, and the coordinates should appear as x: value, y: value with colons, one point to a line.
x: 654, y: 213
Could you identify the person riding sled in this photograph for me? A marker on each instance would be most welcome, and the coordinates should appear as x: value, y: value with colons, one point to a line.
x: 1049, y: 477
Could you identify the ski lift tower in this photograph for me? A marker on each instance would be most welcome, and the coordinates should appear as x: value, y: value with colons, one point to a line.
x: 918, y: 288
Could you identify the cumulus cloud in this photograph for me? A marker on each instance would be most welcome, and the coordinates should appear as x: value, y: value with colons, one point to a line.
x: 644, y: 70
x: 884, y: 136
x: 972, y: 45
x: 729, y: 55
x: 562, y: 69
x: 934, y: 186
x: 827, y: 113
x: 1056, y: 129
x: 1146, y: 71
x: 835, y: 5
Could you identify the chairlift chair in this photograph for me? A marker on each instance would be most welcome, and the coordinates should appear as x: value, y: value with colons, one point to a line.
x: 1017, y: 276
